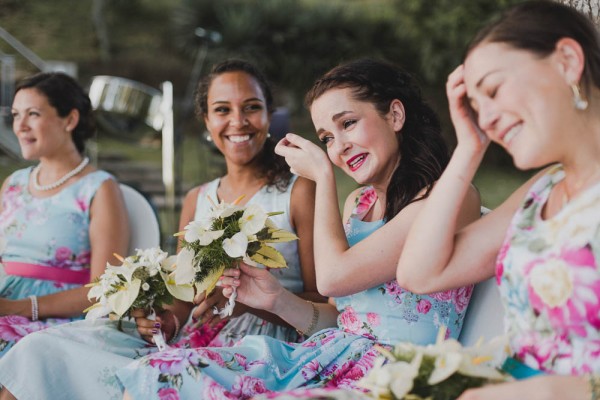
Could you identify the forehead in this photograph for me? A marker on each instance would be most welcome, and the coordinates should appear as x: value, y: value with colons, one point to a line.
x: 30, y: 97
x: 333, y: 102
x: 231, y: 86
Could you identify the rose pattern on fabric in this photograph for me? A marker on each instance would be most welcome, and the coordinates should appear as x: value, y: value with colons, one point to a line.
x: 550, y: 281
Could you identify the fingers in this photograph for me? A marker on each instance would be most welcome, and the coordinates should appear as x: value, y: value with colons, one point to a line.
x: 199, y: 298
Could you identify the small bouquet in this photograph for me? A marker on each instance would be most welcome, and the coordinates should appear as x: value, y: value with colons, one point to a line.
x: 229, y: 234
x: 144, y: 280
x: 436, y: 372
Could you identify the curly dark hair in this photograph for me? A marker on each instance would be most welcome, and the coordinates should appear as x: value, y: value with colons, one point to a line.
x: 65, y: 94
x: 423, y: 152
x: 271, y: 167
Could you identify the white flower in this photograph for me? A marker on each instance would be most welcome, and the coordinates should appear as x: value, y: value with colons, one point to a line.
x: 197, y: 231
x: 124, y: 297
x: 184, y: 267
x: 236, y: 246
x: 552, y: 281
x: 404, y: 376
x: 224, y: 210
x: 145, y: 286
x: 445, y: 365
x: 253, y: 219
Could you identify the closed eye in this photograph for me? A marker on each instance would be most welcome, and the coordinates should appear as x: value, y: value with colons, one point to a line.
x: 325, y: 139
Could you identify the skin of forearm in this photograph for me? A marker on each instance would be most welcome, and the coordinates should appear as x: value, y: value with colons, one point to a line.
x: 298, y: 312
x: 443, y: 207
x: 329, y: 238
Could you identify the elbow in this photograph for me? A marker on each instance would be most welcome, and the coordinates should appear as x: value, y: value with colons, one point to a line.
x: 406, y: 282
x: 328, y: 286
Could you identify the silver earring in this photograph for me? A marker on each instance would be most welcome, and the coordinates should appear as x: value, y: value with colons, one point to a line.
x: 268, y: 134
x: 579, y: 102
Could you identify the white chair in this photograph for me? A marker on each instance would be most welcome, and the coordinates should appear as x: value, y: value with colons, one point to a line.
x: 485, y: 315
x: 143, y: 223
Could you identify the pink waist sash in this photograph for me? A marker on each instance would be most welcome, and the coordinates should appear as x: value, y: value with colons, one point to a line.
x: 46, y: 273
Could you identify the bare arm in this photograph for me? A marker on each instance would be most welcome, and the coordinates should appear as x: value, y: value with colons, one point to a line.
x: 109, y: 233
x: 341, y: 269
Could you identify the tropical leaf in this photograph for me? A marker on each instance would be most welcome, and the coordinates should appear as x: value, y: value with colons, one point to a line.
x: 280, y: 235
x: 269, y: 257
x: 209, y: 283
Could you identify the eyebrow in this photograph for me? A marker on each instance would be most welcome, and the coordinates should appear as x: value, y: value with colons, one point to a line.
x: 245, y: 101
x: 334, y: 118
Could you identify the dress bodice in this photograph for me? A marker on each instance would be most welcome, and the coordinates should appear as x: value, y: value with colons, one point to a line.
x: 389, y: 313
x: 550, y: 282
x: 270, y: 199
x: 51, y: 231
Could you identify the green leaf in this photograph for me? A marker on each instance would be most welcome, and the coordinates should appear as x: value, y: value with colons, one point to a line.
x: 280, y: 235
x: 269, y: 257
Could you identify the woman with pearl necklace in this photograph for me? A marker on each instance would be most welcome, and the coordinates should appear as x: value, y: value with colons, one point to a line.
x: 60, y: 221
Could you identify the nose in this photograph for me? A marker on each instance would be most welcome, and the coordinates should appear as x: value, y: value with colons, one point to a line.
x: 488, y: 115
x: 238, y: 119
x: 19, y: 124
x: 342, y: 146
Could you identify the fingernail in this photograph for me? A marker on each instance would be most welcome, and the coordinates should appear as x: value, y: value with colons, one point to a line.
x: 157, y: 325
x: 154, y: 331
x: 219, y: 284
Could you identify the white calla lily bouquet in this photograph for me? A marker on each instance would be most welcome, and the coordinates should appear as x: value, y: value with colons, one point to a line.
x: 436, y: 372
x: 143, y: 281
x: 231, y: 233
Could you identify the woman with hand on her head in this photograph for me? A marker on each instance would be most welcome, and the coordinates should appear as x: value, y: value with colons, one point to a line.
x: 235, y: 102
x: 378, y: 130
x: 530, y: 82
x: 60, y: 221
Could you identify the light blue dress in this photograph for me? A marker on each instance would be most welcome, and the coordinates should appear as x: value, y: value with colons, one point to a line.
x: 79, y: 360
x: 337, y: 357
x: 47, y: 246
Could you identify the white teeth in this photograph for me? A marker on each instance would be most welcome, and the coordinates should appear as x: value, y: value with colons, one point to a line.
x: 239, y: 138
x: 357, y: 160
x: 511, y: 134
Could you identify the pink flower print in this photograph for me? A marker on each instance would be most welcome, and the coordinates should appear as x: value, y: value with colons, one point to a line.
x: 214, y: 391
x: 213, y: 356
x: 311, y: 369
x: 500, y: 260
x: 365, y: 201
x: 373, y: 319
x: 446, y: 295
x: 462, y: 296
x: 168, y: 394
x: 173, y: 362
x: 349, y: 320
x: 247, y: 386
x: 423, y: 306
x: 84, y: 258
x: 81, y: 203
x: 15, y: 327
x: 567, y: 288
x: 63, y: 254
x: 393, y: 288
x: 241, y: 360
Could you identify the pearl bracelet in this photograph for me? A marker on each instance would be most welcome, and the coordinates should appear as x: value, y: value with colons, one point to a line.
x: 34, y: 308
x: 313, y: 322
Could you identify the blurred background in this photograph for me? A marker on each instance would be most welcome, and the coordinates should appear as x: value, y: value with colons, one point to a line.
x: 141, y: 60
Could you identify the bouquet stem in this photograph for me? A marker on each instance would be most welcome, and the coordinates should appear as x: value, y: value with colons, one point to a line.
x: 159, y: 339
x: 228, y: 309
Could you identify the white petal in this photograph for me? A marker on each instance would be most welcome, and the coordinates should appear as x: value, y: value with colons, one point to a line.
x: 184, y: 267
x: 236, y: 246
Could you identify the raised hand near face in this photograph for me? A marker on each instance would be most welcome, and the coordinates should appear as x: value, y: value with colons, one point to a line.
x: 303, y: 156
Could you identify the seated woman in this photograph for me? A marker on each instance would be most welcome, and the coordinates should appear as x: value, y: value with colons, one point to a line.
x: 519, y: 86
x: 60, y: 221
x: 376, y: 127
x: 235, y: 102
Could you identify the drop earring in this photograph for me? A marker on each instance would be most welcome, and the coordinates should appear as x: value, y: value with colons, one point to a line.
x: 579, y: 102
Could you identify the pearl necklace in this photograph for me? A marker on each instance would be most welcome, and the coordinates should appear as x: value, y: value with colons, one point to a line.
x: 59, y: 182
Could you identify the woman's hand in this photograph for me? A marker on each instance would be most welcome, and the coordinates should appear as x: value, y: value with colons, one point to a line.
x: 256, y: 287
x: 165, y: 322
x: 303, y: 156
x: 462, y: 114
x: 538, y: 388
x: 204, y: 313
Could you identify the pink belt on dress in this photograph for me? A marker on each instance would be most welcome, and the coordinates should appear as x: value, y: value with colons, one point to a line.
x: 46, y: 273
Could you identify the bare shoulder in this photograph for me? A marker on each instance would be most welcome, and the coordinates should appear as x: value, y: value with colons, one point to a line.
x: 303, y: 187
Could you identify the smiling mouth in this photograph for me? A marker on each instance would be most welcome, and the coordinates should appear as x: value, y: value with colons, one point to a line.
x: 239, y: 138
x: 355, y: 162
x: 511, y: 134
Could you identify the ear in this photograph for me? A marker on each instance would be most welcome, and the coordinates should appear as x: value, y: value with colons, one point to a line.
x: 397, y: 114
x: 571, y: 59
x: 72, y: 120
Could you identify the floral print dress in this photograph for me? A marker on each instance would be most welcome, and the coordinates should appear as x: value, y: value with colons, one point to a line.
x: 335, y: 357
x: 549, y: 280
x: 49, y: 232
